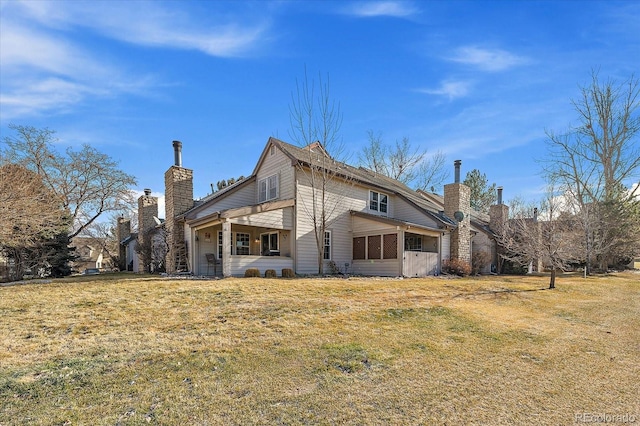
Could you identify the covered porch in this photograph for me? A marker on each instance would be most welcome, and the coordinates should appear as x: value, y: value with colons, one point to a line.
x: 390, y: 247
x: 228, y: 243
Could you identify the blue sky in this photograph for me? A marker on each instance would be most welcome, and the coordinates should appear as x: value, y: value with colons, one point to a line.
x: 478, y: 80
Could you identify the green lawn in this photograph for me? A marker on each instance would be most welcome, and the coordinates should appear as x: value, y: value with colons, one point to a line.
x: 122, y: 349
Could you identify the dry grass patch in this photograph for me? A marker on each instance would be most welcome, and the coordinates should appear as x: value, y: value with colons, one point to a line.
x: 140, y: 350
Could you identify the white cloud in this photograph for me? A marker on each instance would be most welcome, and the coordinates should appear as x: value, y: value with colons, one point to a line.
x: 397, y: 9
x: 149, y: 24
x: 487, y: 59
x: 450, y: 89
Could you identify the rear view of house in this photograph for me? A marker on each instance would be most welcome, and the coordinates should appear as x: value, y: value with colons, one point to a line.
x: 376, y: 225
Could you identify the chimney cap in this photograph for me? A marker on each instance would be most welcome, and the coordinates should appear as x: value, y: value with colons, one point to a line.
x: 177, y: 144
x: 147, y: 192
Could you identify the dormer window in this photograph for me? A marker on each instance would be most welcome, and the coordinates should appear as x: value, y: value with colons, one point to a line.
x: 268, y: 188
x: 378, y: 202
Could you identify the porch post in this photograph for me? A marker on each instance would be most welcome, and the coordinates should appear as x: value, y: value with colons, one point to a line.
x: 226, y: 249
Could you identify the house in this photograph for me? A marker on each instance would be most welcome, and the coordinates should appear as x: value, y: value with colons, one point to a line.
x: 145, y: 250
x: 376, y: 226
x: 90, y: 254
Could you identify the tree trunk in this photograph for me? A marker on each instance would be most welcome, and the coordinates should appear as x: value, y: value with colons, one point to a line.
x: 552, y: 281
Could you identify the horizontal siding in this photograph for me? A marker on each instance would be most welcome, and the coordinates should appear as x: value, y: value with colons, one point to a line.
x: 362, y: 226
x: 244, y: 196
x: 239, y: 264
x: 446, y: 246
x: 277, y: 219
x: 277, y: 164
x: 381, y: 267
x: 341, y: 201
x: 408, y: 213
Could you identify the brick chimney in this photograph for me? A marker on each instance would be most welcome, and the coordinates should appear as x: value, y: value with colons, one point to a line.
x: 457, y: 206
x: 498, y: 214
x: 123, y: 230
x: 178, y: 183
x: 147, y: 212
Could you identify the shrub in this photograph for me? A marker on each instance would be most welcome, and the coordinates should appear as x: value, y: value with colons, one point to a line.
x: 288, y: 273
x: 252, y: 273
x: 479, y: 261
x: 456, y: 267
x: 270, y: 273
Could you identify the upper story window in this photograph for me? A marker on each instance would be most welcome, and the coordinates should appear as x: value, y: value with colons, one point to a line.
x: 378, y: 202
x: 268, y: 188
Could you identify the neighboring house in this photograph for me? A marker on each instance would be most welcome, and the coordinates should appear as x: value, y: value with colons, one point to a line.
x: 145, y: 250
x: 380, y: 227
x: 482, y: 237
x: 90, y: 254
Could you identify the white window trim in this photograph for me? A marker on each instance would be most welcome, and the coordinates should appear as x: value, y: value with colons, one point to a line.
x: 277, y: 234
x: 324, y: 245
x: 267, y: 183
x: 380, y: 194
x: 239, y: 242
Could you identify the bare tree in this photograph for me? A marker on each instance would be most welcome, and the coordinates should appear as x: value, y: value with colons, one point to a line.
x: 315, y: 125
x: 29, y: 210
x: 483, y: 195
x: 404, y: 163
x: 597, y: 162
x: 545, y: 236
x: 87, y: 182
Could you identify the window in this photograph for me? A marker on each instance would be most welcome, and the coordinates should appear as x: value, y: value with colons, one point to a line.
x: 378, y: 202
x: 358, y: 248
x: 413, y: 242
x: 220, y: 245
x: 269, y: 244
x: 327, y: 246
x: 373, y: 247
x: 390, y: 246
x: 268, y: 188
x: 242, y: 243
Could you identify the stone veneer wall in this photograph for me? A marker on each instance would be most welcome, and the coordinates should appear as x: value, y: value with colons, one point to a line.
x: 178, y: 183
x: 498, y: 215
x: 457, y: 197
x: 147, y: 212
x: 123, y: 230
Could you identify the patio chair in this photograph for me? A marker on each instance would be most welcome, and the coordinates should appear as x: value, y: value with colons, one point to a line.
x: 212, y: 261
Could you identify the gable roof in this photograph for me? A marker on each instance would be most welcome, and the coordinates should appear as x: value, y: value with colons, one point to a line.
x: 301, y: 156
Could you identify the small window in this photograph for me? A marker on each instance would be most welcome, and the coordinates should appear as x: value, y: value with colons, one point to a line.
x: 327, y: 246
x: 359, y: 248
x: 242, y: 243
x: 390, y: 246
x: 413, y: 242
x: 269, y: 244
x: 374, y: 249
x: 378, y: 202
x: 268, y: 188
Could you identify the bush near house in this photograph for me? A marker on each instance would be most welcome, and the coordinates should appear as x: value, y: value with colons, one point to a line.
x: 252, y: 273
x: 456, y: 267
x: 270, y: 273
x: 288, y: 273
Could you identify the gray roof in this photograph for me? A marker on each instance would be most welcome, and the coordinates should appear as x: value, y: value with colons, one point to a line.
x: 365, y: 176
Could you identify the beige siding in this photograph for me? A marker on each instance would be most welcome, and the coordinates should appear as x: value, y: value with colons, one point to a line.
x: 244, y: 196
x: 239, y: 264
x: 277, y: 163
x: 363, y: 226
x: 381, y: 267
x: 344, y: 198
x: 482, y: 242
x: 446, y: 246
x: 408, y: 213
x: 278, y: 219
